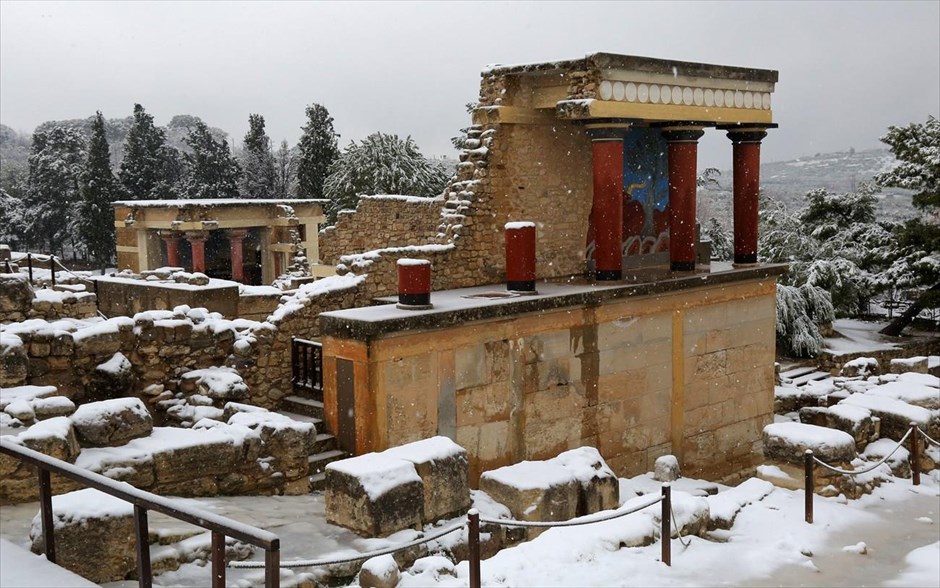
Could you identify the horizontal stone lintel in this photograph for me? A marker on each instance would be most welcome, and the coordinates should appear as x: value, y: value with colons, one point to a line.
x: 368, y: 323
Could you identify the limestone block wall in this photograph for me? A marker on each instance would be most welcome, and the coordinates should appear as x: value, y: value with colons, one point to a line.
x: 687, y: 373
x: 19, y: 301
x: 379, y: 222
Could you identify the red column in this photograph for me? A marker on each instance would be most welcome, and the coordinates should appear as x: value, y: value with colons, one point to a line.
x: 197, y: 242
x: 172, y: 250
x: 414, y: 283
x: 607, y: 209
x: 746, y: 147
x: 235, y: 238
x: 683, y: 156
x: 520, y: 256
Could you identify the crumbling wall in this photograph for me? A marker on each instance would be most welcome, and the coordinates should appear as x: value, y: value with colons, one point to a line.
x: 19, y: 301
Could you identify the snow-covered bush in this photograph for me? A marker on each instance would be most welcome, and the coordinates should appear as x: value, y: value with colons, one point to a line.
x: 799, y: 312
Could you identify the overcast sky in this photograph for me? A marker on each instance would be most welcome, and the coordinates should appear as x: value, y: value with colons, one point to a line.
x: 847, y: 69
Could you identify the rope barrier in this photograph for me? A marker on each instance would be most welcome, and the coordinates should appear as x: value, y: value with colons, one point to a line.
x: 865, y: 471
x: 586, y: 520
x: 73, y: 273
x: 675, y: 523
x: 930, y: 439
x: 306, y: 563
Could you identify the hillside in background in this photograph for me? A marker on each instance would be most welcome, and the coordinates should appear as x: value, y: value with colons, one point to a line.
x: 789, y: 181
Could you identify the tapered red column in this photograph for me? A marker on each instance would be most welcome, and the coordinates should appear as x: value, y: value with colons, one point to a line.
x: 607, y: 209
x: 197, y: 242
x: 683, y: 162
x: 235, y: 238
x: 746, y: 147
x: 172, y: 249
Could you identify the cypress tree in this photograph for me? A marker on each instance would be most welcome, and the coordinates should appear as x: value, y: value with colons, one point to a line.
x: 98, y: 190
x: 143, y: 173
x: 257, y: 161
x: 318, y: 149
x: 211, y: 171
x: 55, y: 167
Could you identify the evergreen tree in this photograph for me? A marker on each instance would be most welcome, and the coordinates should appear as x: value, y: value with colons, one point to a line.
x: 55, y: 168
x: 98, y: 190
x: 318, y: 148
x: 12, y: 221
x: 285, y: 170
x: 381, y: 164
x: 211, y: 171
x: 147, y: 160
x: 722, y: 246
x: 917, y: 264
x: 258, y: 161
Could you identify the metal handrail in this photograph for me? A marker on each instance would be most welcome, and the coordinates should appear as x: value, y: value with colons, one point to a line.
x: 143, y: 501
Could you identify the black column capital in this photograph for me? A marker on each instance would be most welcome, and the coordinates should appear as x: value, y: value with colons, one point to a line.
x: 747, y: 132
x: 682, y: 134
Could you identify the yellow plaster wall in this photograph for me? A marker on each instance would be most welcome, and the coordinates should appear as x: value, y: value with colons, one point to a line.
x: 689, y: 373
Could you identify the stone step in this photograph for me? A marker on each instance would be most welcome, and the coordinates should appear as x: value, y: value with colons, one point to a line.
x: 325, y: 442
x: 319, y: 461
x: 318, y: 482
x: 318, y: 423
x: 810, y: 377
x: 797, y: 372
x: 302, y: 405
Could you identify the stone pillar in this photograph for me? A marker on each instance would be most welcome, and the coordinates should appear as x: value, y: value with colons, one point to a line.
x: 172, y: 242
x: 197, y: 242
x: 414, y: 284
x: 520, y: 256
x: 683, y: 159
x: 235, y: 238
x: 607, y: 206
x: 745, y: 141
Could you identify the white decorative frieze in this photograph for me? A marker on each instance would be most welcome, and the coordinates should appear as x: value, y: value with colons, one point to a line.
x: 681, y: 95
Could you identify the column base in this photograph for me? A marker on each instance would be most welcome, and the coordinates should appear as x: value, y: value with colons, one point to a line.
x: 413, y: 300
x: 524, y: 286
x: 745, y: 259
x: 608, y: 275
x: 682, y: 266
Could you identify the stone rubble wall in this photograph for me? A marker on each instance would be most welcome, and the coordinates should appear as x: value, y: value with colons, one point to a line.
x: 18, y: 302
x: 380, y: 222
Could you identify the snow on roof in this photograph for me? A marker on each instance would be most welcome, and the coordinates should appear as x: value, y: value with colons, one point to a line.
x: 519, y: 225
x: 408, y: 261
x: 216, y: 202
x: 377, y: 473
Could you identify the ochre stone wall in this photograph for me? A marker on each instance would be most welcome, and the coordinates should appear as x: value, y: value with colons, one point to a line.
x: 379, y: 222
x: 687, y: 373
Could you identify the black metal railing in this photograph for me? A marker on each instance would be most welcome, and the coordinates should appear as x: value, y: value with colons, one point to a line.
x: 307, y: 367
x: 221, y: 527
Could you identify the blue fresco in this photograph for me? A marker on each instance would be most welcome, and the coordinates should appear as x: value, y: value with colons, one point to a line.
x: 646, y: 174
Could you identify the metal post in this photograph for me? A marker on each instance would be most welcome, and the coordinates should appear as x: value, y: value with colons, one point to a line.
x: 473, y: 542
x: 665, y: 534
x: 218, y: 559
x: 809, y: 485
x: 293, y: 361
x: 272, y: 566
x: 915, y: 454
x: 52, y: 269
x: 29, y: 264
x: 141, y: 530
x: 45, y: 505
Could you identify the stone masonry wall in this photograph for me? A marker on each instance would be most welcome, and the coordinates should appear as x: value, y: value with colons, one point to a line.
x: 379, y: 222
x: 637, y: 378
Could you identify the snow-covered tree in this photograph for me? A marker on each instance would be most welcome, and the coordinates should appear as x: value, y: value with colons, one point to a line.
x: 799, y: 312
x: 722, y: 245
x: 12, y: 220
x: 98, y: 190
x: 381, y: 164
x: 211, y: 171
x: 917, y: 263
x: 149, y: 164
x: 55, y: 168
x: 258, y: 162
x: 285, y: 171
x: 317, y: 150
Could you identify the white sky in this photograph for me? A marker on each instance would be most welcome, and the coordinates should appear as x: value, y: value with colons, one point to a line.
x: 847, y: 69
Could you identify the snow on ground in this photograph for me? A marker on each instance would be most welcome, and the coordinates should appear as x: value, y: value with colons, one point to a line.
x: 857, y: 336
x: 20, y: 567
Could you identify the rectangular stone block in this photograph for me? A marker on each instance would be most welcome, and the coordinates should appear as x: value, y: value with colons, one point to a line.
x: 442, y: 466
x: 534, y: 491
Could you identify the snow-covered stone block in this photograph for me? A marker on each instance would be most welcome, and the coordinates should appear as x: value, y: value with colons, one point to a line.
x: 788, y: 442
x: 917, y: 364
x: 724, y: 507
x: 113, y: 378
x: 599, y: 486
x: 374, y: 495
x: 14, y: 361
x: 379, y: 572
x: 910, y: 392
x: 860, y: 366
x: 534, y: 491
x: 666, y: 468
x: 290, y: 442
x: 54, y: 406
x: 896, y: 415
x: 109, y: 423
x: 854, y: 420
x: 442, y: 466
x: 55, y: 437
x: 218, y: 383
x: 94, y: 535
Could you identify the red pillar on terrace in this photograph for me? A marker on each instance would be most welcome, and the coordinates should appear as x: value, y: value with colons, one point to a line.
x: 197, y: 242
x: 235, y: 238
x: 746, y: 145
x: 172, y: 249
x: 683, y: 160
x: 607, y: 208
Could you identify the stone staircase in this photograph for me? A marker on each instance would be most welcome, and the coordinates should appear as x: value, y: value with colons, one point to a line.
x: 326, y: 449
x: 800, y: 376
